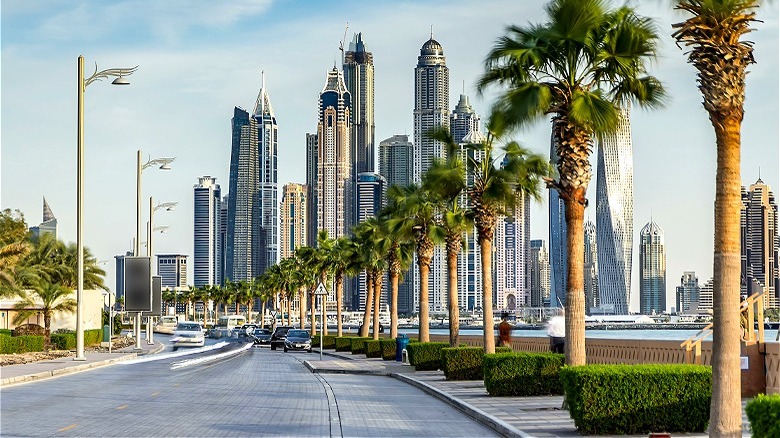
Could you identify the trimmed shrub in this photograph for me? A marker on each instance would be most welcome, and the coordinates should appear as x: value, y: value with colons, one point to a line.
x: 425, y: 356
x: 388, y: 349
x: 92, y: 337
x: 28, y: 330
x: 638, y: 399
x: 359, y: 345
x: 374, y: 348
x: 522, y: 373
x: 5, y: 332
x: 20, y: 344
x: 764, y: 415
x: 63, y: 341
x: 465, y: 363
x: 315, y: 341
x: 329, y: 342
x: 343, y: 344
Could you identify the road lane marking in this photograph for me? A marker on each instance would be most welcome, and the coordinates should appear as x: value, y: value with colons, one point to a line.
x: 164, y: 356
x: 67, y: 427
x: 119, y: 408
x: 155, y: 394
x: 190, y: 362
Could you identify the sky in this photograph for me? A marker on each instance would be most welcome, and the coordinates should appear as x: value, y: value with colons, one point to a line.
x: 199, y: 59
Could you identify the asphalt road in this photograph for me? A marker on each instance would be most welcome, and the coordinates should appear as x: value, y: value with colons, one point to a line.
x: 253, y: 393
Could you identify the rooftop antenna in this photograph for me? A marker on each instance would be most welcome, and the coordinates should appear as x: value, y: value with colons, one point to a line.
x: 341, y: 43
x: 431, y: 31
x: 262, y: 87
x: 464, y: 86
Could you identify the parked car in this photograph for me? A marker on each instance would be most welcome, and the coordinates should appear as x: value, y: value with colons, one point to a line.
x: 188, y: 334
x: 262, y: 336
x: 278, y: 336
x: 297, y: 340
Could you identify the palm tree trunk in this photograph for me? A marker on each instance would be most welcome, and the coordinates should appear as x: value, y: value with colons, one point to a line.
x: 313, y: 314
x: 302, y: 307
x: 725, y: 406
x: 339, y: 300
x: 424, y: 330
x: 452, y: 283
x: 377, y: 300
x: 488, y: 331
x: 393, y: 304
x: 262, y: 313
x: 289, y: 310
x: 369, y: 303
x: 47, y: 328
x: 575, y: 283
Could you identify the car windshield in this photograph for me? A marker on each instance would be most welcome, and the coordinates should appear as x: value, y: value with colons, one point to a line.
x: 297, y: 334
x: 262, y: 332
x: 188, y: 327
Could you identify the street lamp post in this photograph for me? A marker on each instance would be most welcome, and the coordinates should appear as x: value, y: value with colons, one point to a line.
x: 119, y: 74
x: 151, y: 229
x: 164, y: 164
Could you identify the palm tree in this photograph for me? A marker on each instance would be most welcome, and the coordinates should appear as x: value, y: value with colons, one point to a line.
x: 582, y: 65
x: 399, y: 257
x: 344, y: 261
x: 419, y: 209
x: 373, y: 249
x: 54, y: 297
x: 447, y: 179
x: 714, y: 34
x: 11, y: 254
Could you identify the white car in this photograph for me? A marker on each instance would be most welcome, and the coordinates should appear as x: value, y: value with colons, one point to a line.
x: 188, y: 334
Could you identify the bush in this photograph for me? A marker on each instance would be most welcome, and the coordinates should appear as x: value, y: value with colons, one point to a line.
x: 5, y: 332
x: 465, y: 363
x: 373, y: 348
x: 63, y: 341
x: 343, y: 344
x: 329, y: 342
x: 638, y: 399
x: 522, y: 373
x: 425, y: 356
x: 20, y: 344
x: 388, y: 349
x: 28, y: 330
x: 764, y: 415
x: 92, y: 337
x: 359, y: 345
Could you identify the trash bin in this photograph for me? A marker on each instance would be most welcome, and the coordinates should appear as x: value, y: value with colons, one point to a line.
x: 106, y: 333
x: 400, y: 345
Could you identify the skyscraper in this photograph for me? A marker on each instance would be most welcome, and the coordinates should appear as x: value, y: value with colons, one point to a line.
x: 652, y: 270
x: 173, y: 270
x: 512, y: 257
x: 48, y: 225
x: 252, y: 206
x: 759, y: 242
x: 311, y: 189
x: 687, y: 293
x: 463, y: 120
x: 334, y: 164
x: 294, y: 227
x: 223, y: 227
x: 371, y: 195
x: 359, y: 79
x: 207, y: 254
x: 539, y: 274
x: 615, y: 215
x: 557, y: 231
x: 591, y: 268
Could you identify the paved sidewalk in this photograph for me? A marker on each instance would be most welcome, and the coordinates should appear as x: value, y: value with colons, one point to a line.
x: 28, y: 372
x: 540, y: 416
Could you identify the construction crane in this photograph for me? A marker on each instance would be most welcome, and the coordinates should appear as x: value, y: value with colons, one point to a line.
x: 341, y: 43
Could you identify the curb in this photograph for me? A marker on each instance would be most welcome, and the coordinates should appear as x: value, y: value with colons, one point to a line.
x: 62, y: 371
x: 497, y: 425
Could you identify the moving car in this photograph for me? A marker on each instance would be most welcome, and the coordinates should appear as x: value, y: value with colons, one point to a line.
x: 297, y: 340
x: 166, y: 324
x: 225, y: 325
x: 188, y: 334
x: 278, y: 336
x: 243, y: 332
x: 262, y: 336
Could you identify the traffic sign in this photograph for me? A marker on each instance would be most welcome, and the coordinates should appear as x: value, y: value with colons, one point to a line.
x: 320, y: 290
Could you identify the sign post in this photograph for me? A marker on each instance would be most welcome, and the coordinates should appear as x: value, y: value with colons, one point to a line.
x: 321, y: 292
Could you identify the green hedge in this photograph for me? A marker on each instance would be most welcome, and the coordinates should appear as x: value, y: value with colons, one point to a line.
x: 5, y: 332
x: 359, y: 345
x: 388, y: 348
x: 638, y: 399
x: 465, y: 363
x: 344, y: 344
x: 425, y: 356
x: 764, y: 415
x: 329, y: 342
x: 20, y: 344
x: 374, y: 348
x: 522, y: 373
x: 92, y: 337
x: 67, y: 340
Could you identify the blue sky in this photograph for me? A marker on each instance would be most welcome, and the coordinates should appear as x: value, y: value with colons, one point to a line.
x: 199, y: 59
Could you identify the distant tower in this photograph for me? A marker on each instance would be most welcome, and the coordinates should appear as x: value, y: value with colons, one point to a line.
x: 557, y: 231
x: 510, y: 276
x: 207, y: 254
x: 463, y: 120
x: 294, y: 212
x: 371, y: 193
x: 512, y: 262
x: 759, y: 243
x: 48, y: 225
x: 652, y: 265
x: 334, y: 164
x: 615, y: 215
x: 267, y: 244
x: 687, y: 293
x: 223, y: 226
x: 591, y: 268
x: 311, y: 188
x: 359, y: 79
x: 539, y: 274
x: 173, y: 270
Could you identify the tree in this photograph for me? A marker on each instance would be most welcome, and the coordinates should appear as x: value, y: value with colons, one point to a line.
x: 344, y: 261
x: 373, y: 250
x: 399, y: 257
x: 581, y: 66
x: 14, y: 247
x: 417, y: 220
x: 714, y: 34
x: 53, y: 297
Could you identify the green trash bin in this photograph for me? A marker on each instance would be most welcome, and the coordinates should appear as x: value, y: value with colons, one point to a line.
x: 400, y: 345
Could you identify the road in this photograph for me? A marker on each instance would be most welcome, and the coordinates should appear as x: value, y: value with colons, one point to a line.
x: 253, y: 393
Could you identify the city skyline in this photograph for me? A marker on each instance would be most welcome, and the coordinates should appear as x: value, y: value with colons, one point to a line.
x: 197, y: 63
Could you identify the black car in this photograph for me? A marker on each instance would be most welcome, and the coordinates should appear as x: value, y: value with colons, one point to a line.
x: 262, y: 336
x: 278, y: 336
x: 297, y: 340
x: 243, y: 331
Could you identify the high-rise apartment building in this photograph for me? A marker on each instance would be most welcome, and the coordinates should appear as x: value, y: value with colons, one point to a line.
x: 252, y: 207
x: 652, y: 270
x: 359, y: 79
x: 512, y: 246
x: 539, y: 274
x: 371, y: 195
x: 615, y: 215
x: 704, y: 305
x: 591, y: 268
x: 687, y: 293
x: 207, y: 255
x: 311, y: 187
x: 759, y: 237
x: 334, y: 163
x: 463, y: 120
x: 294, y: 226
x: 431, y: 105
x: 119, y: 289
x: 173, y: 270
x: 559, y: 266
x: 223, y: 227
x: 48, y: 225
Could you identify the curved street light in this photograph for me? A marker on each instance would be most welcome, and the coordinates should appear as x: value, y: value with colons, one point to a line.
x: 119, y: 74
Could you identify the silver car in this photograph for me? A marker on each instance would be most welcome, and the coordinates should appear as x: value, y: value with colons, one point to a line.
x: 297, y: 340
x: 188, y: 334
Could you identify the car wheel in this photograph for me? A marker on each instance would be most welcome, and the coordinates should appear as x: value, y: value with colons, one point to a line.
x: 273, y: 347
x: 175, y: 348
x: 285, y: 349
x: 309, y: 350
